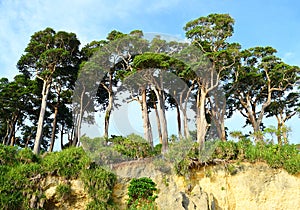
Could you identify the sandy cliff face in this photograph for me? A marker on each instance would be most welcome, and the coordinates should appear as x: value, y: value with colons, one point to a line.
x: 226, y: 186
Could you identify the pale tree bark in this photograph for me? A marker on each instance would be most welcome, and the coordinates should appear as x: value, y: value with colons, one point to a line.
x: 282, y: 130
x: 12, y: 130
x: 162, y: 116
x: 107, y: 115
x: 201, y: 122
x: 39, y: 132
x: 218, y: 113
x: 158, y: 124
x: 83, y: 104
x: 54, y: 125
x: 109, y: 107
x: 142, y: 100
x: 146, y: 122
x: 183, y: 101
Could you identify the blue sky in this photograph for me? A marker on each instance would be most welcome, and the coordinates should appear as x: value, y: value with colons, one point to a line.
x: 258, y: 23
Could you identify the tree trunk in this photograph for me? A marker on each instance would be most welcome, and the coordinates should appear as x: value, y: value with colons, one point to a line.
x: 13, y: 136
x: 162, y: 117
x: 54, y: 128
x: 178, y: 121
x: 158, y: 124
x: 39, y: 132
x: 202, y: 124
x: 279, y: 132
x: 107, y: 115
x: 109, y: 107
x: 183, y: 108
x: 5, y: 138
x: 62, y: 136
x: 145, y: 116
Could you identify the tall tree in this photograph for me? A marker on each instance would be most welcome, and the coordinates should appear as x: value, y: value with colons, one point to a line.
x: 259, y: 78
x: 284, y: 106
x: 16, y: 99
x: 210, y: 35
x: 46, y: 52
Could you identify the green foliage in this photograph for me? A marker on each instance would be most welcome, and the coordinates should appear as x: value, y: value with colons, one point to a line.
x: 132, y: 146
x: 286, y: 156
x: 7, y: 155
x: 20, y: 171
x: 15, y: 184
x: 67, y: 163
x: 226, y: 150
x: 99, y: 205
x: 62, y: 191
x: 99, y: 183
x: 27, y: 156
x: 141, y: 192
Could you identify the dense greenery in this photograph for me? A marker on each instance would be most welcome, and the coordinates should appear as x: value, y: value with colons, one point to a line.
x: 141, y: 193
x: 21, y: 172
x: 286, y: 156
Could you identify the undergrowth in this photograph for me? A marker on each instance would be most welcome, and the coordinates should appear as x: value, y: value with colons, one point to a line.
x: 286, y: 156
x: 21, y: 171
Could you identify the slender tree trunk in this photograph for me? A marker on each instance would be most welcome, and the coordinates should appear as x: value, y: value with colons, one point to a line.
x: 109, y: 107
x: 162, y: 117
x: 13, y: 135
x: 12, y: 130
x: 77, y: 131
x: 62, y: 136
x: 183, y: 108
x: 185, y: 125
x: 279, y: 132
x: 54, y: 125
x: 107, y: 115
x: 145, y: 116
x: 178, y: 121
x: 39, y: 132
x: 158, y: 124
x: 202, y: 124
x: 27, y: 141
x: 5, y: 138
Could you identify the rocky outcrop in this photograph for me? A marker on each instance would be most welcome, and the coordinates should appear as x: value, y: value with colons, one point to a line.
x: 77, y: 199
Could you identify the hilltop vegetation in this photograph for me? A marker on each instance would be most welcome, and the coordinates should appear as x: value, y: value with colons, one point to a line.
x: 21, y: 170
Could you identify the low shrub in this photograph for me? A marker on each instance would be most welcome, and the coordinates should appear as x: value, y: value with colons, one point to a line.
x: 141, y: 193
x: 132, y: 146
x: 66, y: 163
x: 99, y: 184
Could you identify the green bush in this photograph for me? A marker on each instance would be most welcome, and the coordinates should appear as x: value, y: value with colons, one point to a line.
x: 19, y: 168
x: 132, y: 146
x: 226, y: 150
x: 99, y: 183
x: 66, y: 163
x: 141, y: 191
x: 8, y: 155
x: 27, y: 156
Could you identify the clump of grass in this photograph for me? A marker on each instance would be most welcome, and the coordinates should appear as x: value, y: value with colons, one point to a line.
x: 63, y: 191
